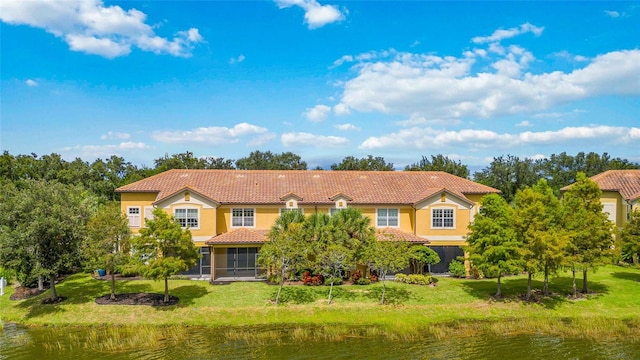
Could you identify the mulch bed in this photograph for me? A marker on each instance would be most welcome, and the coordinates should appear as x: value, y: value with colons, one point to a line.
x: 22, y: 293
x: 151, y: 299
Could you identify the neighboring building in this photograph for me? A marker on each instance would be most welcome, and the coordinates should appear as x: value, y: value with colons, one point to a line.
x: 620, y: 193
x: 229, y: 212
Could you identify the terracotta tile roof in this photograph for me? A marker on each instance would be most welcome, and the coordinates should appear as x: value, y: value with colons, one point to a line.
x: 313, y: 186
x: 239, y: 236
x: 396, y: 234
x: 626, y: 182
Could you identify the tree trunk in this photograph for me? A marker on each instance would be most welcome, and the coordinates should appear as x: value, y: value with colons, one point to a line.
x: 575, y: 288
x: 166, y: 289
x: 499, y: 293
x: 280, y: 289
x: 635, y: 259
x: 113, y: 286
x: 330, y: 291
x: 54, y: 294
x: 585, y: 286
x: 40, y: 283
x: 529, y: 287
x: 545, y: 288
x: 384, y: 286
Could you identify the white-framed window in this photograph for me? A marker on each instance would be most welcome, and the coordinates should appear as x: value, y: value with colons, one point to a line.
x: 284, y: 210
x: 333, y: 211
x: 133, y: 214
x: 443, y: 218
x: 187, y: 217
x: 387, y: 218
x: 243, y: 217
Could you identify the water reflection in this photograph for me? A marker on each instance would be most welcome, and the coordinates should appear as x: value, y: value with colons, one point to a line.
x: 17, y: 342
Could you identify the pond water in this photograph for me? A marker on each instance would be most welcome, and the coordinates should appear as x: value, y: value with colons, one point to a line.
x: 17, y: 342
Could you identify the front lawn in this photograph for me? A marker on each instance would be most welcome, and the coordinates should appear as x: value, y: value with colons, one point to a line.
x: 613, y: 309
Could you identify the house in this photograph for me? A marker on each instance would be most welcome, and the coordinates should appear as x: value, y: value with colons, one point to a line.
x: 620, y: 193
x: 230, y: 212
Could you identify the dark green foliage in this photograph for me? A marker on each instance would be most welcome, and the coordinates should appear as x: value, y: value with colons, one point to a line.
x: 539, y: 225
x: 42, y: 226
x: 591, y: 239
x: 421, y: 256
x: 630, y: 237
x: 166, y: 247
x: 456, y: 268
x: 492, y: 243
x: 510, y: 173
x: 440, y: 163
x: 107, y: 244
x: 259, y: 160
x: 369, y: 163
x: 186, y: 160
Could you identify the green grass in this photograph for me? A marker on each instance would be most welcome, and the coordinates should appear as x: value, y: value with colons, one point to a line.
x: 453, y: 306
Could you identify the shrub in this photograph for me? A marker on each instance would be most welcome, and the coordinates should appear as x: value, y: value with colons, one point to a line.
x: 6, y: 274
x: 457, y: 269
x: 130, y: 271
x: 336, y: 281
x: 401, y: 277
x: 312, y: 280
x: 416, y: 279
x: 362, y: 281
x: 373, y: 276
x: 356, y: 275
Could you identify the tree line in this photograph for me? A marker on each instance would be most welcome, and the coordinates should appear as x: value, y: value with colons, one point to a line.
x: 49, y: 229
x: 507, y: 173
x: 541, y: 234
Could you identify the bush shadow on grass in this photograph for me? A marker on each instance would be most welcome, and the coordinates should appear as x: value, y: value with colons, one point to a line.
x: 393, y: 295
x: 295, y: 295
x: 186, y: 293
x: 626, y: 276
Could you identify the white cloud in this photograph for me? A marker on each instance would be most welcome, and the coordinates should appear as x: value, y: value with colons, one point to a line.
x: 346, y: 127
x: 213, y: 134
x: 91, y: 27
x: 103, y: 151
x: 31, y: 82
x: 317, y: 113
x: 341, y: 109
x: 115, y: 135
x: 303, y: 139
x: 238, y: 59
x: 524, y: 123
x: 444, y: 87
x: 429, y: 138
x: 612, y: 13
x: 416, y: 119
x: 315, y: 15
x: 502, y: 34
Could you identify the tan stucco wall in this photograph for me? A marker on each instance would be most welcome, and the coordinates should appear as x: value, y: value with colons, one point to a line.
x: 137, y: 199
x: 610, y: 197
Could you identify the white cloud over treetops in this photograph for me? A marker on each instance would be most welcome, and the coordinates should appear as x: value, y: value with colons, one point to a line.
x: 303, y: 139
x: 315, y: 15
x: 215, y: 135
x: 437, y: 139
x: 91, y: 27
x: 103, y: 151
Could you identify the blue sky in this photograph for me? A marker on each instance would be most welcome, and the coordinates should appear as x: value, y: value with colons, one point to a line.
x: 325, y: 80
